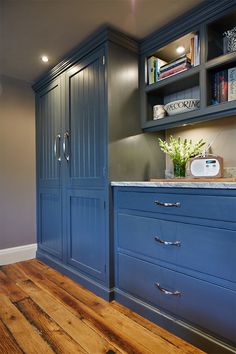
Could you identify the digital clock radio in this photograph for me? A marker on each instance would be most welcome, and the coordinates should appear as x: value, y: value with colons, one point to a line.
x: 206, y: 166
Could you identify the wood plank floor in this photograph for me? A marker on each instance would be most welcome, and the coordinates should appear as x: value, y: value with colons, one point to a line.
x: 42, y: 311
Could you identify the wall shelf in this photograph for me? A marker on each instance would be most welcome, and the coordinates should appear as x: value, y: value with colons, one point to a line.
x: 203, y: 81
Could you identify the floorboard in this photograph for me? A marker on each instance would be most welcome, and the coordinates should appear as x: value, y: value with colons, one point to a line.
x: 43, y: 311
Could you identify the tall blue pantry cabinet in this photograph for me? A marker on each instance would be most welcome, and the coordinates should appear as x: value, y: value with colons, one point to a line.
x: 82, y: 105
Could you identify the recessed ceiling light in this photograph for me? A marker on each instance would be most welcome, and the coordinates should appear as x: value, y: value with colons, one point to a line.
x: 180, y: 49
x: 44, y: 58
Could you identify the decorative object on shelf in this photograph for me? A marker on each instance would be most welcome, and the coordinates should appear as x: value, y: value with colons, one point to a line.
x: 206, y: 166
x: 180, y: 152
x: 158, y: 111
x: 229, y: 40
x: 182, y: 106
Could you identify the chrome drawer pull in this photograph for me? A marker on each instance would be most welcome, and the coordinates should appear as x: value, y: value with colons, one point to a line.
x: 167, y: 292
x: 57, y: 152
x: 65, y: 146
x: 168, y: 243
x: 167, y: 204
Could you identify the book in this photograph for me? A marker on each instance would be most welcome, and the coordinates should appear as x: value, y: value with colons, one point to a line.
x: 215, y: 89
x: 223, y: 85
x: 232, y: 84
x: 158, y: 65
x: 192, y: 50
x: 196, y: 59
x: 151, y: 69
x: 174, y: 71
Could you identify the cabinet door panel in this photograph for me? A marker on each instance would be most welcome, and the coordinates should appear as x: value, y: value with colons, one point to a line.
x: 49, y: 223
x: 86, y: 234
x: 49, y: 203
x: 86, y: 122
x: 48, y: 131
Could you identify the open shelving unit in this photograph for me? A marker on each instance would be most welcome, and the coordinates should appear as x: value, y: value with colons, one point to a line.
x: 207, y: 81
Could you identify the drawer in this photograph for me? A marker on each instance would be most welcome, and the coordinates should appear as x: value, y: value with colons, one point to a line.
x: 204, y: 249
x: 182, y: 204
x: 203, y: 304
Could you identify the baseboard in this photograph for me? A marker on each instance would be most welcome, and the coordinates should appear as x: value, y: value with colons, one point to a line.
x: 17, y: 254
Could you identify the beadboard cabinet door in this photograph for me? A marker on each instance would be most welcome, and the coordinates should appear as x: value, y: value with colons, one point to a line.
x: 85, y: 152
x: 49, y: 177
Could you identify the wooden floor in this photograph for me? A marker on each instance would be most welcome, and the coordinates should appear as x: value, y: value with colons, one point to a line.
x: 42, y: 311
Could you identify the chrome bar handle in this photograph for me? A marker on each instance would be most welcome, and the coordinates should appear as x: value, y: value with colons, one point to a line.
x: 57, y: 152
x: 167, y: 292
x: 165, y: 204
x: 168, y: 243
x: 65, y: 146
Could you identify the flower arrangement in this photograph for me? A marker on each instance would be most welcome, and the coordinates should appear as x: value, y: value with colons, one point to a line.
x: 180, y: 152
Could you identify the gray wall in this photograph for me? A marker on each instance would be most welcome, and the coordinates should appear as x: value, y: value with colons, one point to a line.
x: 17, y: 163
x: 222, y: 131
x: 133, y: 155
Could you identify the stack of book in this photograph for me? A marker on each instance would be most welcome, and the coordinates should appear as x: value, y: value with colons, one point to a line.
x: 224, y: 86
x: 175, y: 66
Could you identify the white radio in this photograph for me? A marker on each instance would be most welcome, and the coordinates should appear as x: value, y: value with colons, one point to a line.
x: 206, y: 166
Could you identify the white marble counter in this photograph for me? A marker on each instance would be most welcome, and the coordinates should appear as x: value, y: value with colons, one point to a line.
x: 174, y: 184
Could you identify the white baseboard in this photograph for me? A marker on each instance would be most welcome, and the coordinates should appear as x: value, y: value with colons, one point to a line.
x: 17, y: 254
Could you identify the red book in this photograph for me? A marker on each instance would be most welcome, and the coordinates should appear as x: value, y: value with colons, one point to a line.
x: 174, y: 71
x: 223, y: 82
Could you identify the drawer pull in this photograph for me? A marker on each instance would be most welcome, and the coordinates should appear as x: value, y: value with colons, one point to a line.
x: 168, y: 243
x: 165, y: 204
x: 167, y: 292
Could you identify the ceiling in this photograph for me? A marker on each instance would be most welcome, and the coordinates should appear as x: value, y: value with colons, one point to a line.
x: 31, y: 28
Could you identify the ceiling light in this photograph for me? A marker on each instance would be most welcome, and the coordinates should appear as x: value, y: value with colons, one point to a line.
x: 44, y: 58
x: 180, y: 49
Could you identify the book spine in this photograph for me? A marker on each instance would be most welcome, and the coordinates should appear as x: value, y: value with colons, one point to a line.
x: 174, y: 71
x: 192, y: 50
x: 214, y: 89
x: 232, y: 84
x: 196, y: 50
x: 224, y: 86
x: 151, y: 70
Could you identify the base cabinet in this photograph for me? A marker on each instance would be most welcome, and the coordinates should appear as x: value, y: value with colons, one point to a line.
x: 175, y: 267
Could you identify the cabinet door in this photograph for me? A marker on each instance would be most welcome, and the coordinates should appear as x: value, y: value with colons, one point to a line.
x: 85, y: 138
x: 48, y: 126
x: 85, y: 151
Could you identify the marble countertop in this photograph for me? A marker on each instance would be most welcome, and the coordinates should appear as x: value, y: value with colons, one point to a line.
x: 174, y: 184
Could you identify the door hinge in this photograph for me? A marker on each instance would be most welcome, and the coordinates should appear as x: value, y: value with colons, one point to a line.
x: 103, y: 60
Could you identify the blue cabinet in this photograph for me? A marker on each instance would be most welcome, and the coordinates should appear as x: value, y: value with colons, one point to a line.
x: 78, y: 106
x: 175, y: 260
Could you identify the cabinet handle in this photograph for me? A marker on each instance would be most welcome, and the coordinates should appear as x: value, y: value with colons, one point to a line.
x: 65, y: 146
x: 57, y: 152
x: 168, y: 243
x: 157, y: 202
x: 167, y: 292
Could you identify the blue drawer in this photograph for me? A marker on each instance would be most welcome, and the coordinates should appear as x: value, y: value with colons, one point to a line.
x: 204, y: 249
x: 193, y: 205
x: 203, y: 304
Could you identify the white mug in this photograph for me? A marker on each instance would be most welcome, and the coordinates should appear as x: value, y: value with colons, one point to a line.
x: 158, y: 111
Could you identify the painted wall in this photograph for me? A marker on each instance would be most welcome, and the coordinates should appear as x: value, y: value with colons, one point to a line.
x: 222, y: 134
x: 17, y: 163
